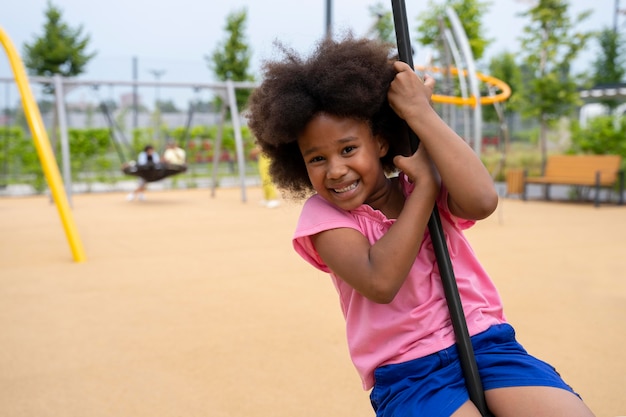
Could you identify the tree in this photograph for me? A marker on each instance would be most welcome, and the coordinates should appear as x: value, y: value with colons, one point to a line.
x: 231, y: 58
x: 549, y: 46
x: 470, y: 14
x: 609, y: 64
x: 504, y: 67
x: 60, y: 50
x: 204, y: 106
x: 167, y: 106
x: 383, y: 27
x: 602, y: 135
x: 46, y: 106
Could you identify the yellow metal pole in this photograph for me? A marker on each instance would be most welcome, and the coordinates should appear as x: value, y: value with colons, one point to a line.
x: 44, y: 150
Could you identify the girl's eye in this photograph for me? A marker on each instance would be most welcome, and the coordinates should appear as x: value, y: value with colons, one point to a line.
x: 316, y: 159
x: 348, y: 149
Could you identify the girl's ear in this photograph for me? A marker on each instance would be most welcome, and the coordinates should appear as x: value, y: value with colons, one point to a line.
x: 383, y: 146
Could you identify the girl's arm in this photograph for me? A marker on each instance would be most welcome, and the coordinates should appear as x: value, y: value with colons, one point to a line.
x: 378, y: 271
x: 472, y: 194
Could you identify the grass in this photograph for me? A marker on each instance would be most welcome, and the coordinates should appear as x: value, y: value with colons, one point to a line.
x: 520, y: 155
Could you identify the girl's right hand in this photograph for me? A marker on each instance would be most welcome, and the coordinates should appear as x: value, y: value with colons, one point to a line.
x: 420, y: 169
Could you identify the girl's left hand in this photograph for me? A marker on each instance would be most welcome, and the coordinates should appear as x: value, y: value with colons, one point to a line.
x: 408, y: 95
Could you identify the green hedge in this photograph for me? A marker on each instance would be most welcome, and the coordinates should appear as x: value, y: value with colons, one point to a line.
x: 602, y: 135
x: 94, y: 157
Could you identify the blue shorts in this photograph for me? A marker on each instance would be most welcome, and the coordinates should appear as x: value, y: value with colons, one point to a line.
x: 434, y: 385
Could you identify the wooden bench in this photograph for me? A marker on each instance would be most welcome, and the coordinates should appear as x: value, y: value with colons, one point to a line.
x: 598, y: 171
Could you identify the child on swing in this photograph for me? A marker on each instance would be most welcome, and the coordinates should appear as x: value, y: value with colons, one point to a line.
x: 332, y: 126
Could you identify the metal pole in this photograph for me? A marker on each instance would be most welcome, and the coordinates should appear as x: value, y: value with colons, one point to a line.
x: 157, y: 108
x: 128, y: 83
x: 462, y: 81
x: 234, y: 115
x: 65, y: 147
x: 457, y: 316
x: 135, y: 94
x: 329, y: 19
x: 217, y: 146
x: 463, y: 42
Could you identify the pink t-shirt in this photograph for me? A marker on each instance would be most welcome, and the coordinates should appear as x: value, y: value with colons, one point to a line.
x: 416, y: 323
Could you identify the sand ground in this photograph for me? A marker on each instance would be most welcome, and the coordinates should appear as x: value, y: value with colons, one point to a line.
x: 190, y: 305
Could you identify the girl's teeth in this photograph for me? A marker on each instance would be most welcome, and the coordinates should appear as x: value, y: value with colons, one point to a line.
x: 348, y: 188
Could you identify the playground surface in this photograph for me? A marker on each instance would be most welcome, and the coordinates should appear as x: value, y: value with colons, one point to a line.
x: 192, y: 305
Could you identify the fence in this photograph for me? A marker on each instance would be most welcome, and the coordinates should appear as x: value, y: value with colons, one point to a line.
x: 218, y: 146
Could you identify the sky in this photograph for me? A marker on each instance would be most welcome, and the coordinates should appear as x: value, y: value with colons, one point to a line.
x: 175, y: 36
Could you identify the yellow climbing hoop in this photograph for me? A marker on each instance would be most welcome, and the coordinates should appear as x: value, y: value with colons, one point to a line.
x: 505, y: 90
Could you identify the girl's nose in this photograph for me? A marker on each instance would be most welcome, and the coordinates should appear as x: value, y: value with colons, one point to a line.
x: 336, y: 169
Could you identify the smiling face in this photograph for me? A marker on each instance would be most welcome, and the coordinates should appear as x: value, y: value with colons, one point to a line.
x: 342, y: 158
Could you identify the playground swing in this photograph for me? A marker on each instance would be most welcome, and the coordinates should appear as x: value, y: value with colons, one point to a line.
x: 153, y: 172
x: 150, y: 172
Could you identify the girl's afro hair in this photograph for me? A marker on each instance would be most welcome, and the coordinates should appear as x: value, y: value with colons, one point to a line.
x: 346, y: 78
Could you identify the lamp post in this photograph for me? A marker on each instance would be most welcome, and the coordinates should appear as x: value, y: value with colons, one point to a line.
x: 135, y: 95
x: 157, y: 110
x: 157, y: 75
x: 616, y: 14
x: 329, y: 18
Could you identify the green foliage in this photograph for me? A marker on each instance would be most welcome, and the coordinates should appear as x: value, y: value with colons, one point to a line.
x: 228, y: 137
x: 86, y: 143
x: 602, y: 135
x: 120, y: 119
x: 383, y: 26
x: 90, y: 153
x: 20, y: 156
x: 59, y: 50
x: 231, y: 58
x: 228, y: 140
x: 93, y: 159
x: 504, y: 67
x: 550, y: 97
x: 140, y: 138
x: 530, y: 136
x: 609, y: 66
x: 167, y: 106
x: 9, y: 137
x: 197, y: 134
x: 204, y: 106
x: 549, y: 45
x: 521, y: 156
x: 470, y: 14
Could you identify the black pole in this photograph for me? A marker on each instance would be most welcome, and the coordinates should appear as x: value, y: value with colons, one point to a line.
x: 329, y: 19
x: 457, y: 316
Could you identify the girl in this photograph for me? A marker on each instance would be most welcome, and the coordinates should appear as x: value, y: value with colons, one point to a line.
x: 332, y: 127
